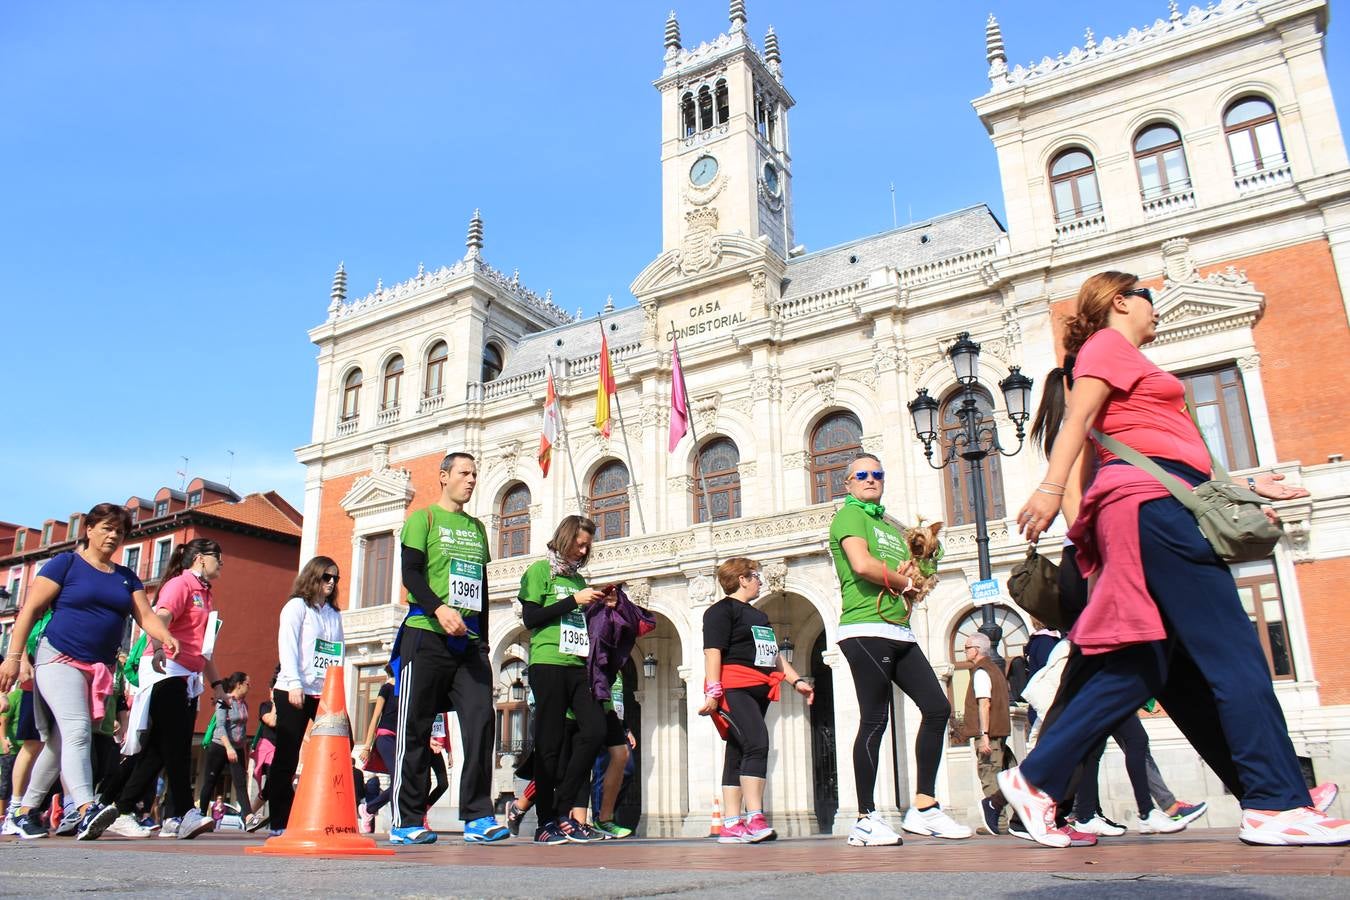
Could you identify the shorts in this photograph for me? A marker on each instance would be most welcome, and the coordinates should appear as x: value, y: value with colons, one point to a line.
x: 615, y: 733
x: 27, y: 727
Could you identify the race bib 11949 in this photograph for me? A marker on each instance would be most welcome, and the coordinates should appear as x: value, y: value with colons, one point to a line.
x: 466, y: 585
x: 766, y: 645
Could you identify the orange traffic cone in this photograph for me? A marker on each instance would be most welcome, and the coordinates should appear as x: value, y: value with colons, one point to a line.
x: 716, y: 828
x: 323, y: 817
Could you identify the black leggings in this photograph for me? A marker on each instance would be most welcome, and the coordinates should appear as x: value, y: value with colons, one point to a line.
x: 1133, y: 739
x: 442, y: 778
x: 214, y: 762
x: 557, y: 689
x: 290, y: 730
x: 167, y: 745
x: 877, y: 663
x: 748, y: 737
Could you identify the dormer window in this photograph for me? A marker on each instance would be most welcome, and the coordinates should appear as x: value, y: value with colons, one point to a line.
x: 194, y: 499
x: 161, y: 508
x: 46, y: 534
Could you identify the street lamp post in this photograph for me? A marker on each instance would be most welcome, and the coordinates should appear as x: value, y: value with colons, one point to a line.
x: 977, y: 439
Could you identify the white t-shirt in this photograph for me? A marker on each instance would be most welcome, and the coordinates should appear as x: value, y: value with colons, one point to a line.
x: 308, y: 641
x: 984, y: 689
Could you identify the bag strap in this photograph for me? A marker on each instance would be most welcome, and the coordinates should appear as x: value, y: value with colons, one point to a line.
x: 1219, y: 472
x: 1175, y: 486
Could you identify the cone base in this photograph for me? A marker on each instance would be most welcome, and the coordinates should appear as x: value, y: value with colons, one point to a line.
x: 325, y: 845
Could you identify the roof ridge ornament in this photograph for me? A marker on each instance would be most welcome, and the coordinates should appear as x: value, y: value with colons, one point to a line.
x: 339, y: 293
x: 672, y: 35
x: 474, y: 241
x: 772, y: 55
x: 994, y: 52
x: 737, y: 15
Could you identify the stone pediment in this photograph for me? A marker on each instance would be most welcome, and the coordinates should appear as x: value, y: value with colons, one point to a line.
x: 715, y: 256
x: 1221, y: 301
x: 382, y: 491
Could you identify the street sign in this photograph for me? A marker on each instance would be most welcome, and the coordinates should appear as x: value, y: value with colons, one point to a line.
x: 985, y: 590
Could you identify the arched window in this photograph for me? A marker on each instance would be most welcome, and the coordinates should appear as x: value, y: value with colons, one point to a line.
x: 836, y: 439
x: 609, y: 501
x: 492, y: 362
x: 687, y: 117
x: 1073, y: 185
x: 762, y: 117
x: 723, y: 104
x: 718, y: 462
x: 705, y: 108
x: 1161, y: 161
x: 513, y: 535
x: 351, y: 395
x: 1253, y: 135
x: 434, y: 385
x: 956, y: 477
x: 392, y: 386
x: 1015, y: 636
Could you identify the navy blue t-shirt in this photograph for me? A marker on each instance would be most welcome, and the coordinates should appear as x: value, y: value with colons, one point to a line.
x: 90, y: 613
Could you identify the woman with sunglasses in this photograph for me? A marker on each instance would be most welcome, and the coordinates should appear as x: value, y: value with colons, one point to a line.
x: 309, y: 641
x: 1164, y: 618
x: 871, y: 559
x: 744, y: 672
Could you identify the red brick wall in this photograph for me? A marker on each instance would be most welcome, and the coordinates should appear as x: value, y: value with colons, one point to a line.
x: 1322, y: 587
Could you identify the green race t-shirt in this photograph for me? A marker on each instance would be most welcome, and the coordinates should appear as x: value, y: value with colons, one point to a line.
x: 12, y: 724
x: 539, y: 585
x: 860, y: 595
x: 456, y: 546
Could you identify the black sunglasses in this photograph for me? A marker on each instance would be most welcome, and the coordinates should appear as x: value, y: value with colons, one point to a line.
x: 330, y: 579
x: 1139, y: 292
x: 862, y: 475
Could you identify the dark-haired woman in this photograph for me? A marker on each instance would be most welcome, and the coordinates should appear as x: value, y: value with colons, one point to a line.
x: 185, y: 604
x: 1164, y: 619
x: 227, y: 746
x: 309, y: 641
x: 90, y: 598
x: 552, y: 597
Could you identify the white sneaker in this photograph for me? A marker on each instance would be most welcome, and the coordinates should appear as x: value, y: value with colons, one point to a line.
x: 1159, y: 822
x: 170, y: 828
x: 873, y: 831
x: 934, y: 823
x: 1100, y: 825
x: 70, y: 821
x: 126, y: 826
x: 9, y: 826
x: 1033, y: 806
x: 1293, y: 828
x: 193, y: 824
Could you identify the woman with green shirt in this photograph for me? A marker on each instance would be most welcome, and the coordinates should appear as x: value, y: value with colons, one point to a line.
x: 553, y: 596
x: 872, y: 562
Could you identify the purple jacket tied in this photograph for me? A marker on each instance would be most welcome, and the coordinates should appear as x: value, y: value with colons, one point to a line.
x: 614, y: 632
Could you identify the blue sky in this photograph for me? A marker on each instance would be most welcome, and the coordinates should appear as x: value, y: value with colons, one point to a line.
x: 183, y: 178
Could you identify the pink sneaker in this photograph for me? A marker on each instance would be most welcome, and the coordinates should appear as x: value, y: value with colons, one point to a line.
x: 1324, y: 795
x: 1034, y: 807
x: 1293, y: 828
x: 734, y: 834
x: 1079, y: 838
x: 366, y: 820
x: 757, y: 829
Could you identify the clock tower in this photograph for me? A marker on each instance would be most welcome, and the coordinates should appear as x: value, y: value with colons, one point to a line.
x: 725, y: 165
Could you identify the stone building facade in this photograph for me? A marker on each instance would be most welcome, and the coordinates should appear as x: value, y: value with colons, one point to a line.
x: 1201, y: 152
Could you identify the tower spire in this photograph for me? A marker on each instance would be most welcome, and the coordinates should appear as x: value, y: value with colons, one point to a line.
x: 474, y: 241
x: 994, y: 52
x: 772, y: 56
x: 339, y: 292
x: 738, y: 18
x: 672, y: 33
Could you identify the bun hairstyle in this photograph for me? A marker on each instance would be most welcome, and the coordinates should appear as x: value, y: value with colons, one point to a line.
x: 1093, y: 311
x: 184, y: 555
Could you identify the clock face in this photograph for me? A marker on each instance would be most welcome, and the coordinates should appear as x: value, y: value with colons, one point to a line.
x: 771, y: 179
x: 703, y: 171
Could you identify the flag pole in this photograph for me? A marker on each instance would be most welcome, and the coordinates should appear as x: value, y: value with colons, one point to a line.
x: 567, y: 445
x: 698, y: 467
x: 628, y: 451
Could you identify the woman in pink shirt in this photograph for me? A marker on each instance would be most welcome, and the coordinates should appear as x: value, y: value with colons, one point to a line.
x: 1164, y: 619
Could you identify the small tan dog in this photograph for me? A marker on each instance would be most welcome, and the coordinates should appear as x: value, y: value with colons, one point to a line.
x: 926, y: 551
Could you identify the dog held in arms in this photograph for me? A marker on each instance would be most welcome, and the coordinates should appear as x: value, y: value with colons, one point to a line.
x: 926, y: 551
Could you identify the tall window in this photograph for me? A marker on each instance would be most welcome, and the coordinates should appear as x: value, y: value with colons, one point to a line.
x: 1220, y: 406
x: 609, y: 501
x: 163, y: 549
x: 705, y: 108
x: 1259, y: 589
x: 513, y: 537
x: 131, y: 558
x: 687, y: 115
x: 717, y: 464
x: 1073, y: 185
x: 435, y: 381
x: 20, y: 539
x: 723, y: 104
x: 377, y: 569
x: 960, y: 493
x: 492, y: 362
x: 73, y: 530
x: 392, y: 386
x: 47, y: 534
x: 1253, y: 136
x: 351, y: 395
x: 1161, y: 161
x: 836, y: 439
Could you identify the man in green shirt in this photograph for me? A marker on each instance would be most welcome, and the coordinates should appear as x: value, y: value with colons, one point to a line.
x: 443, y: 654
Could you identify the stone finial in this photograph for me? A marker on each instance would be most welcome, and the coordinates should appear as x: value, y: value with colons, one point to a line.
x: 737, y: 16
x: 772, y: 55
x: 339, y: 292
x: 1174, y: 12
x: 672, y: 33
x: 421, y: 271
x: 993, y: 42
x: 475, y: 239
x: 609, y: 303
x: 1089, y: 41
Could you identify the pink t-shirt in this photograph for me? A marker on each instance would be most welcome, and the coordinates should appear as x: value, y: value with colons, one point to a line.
x: 188, y: 598
x: 1147, y: 406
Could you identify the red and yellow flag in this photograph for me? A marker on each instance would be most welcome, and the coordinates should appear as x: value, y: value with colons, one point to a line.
x: 549, y: 435
x: 604, y: 387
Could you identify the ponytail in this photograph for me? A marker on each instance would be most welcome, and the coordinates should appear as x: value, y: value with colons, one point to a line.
x: 1054, y: 399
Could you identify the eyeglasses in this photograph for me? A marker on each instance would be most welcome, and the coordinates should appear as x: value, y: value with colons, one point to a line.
x: 862, y: 475
x: 754, y: 575
x: 330, y: 579
x: 1139, y: 292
